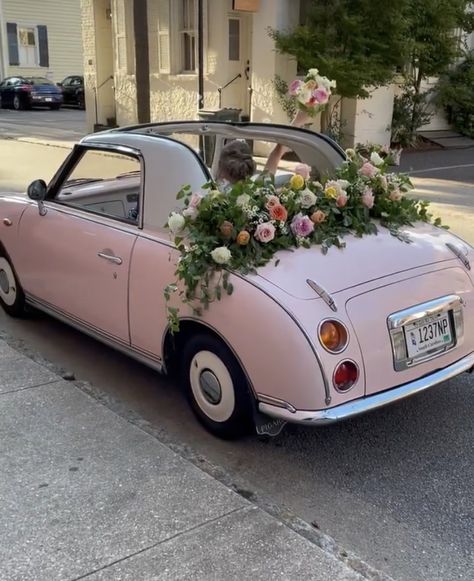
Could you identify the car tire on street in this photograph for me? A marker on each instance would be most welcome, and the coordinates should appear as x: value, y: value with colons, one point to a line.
x: 17, y: 104
x: 12, y: 298
x: 216, y: 387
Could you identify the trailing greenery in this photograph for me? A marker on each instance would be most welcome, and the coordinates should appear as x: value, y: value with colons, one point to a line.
x: 455, y: 93
x: 243, y: 228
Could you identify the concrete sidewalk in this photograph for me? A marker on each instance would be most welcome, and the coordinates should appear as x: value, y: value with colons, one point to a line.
x: 87, y: 494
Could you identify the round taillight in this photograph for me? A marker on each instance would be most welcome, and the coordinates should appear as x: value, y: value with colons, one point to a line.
x: 333, y: 336
x: 345, y: 375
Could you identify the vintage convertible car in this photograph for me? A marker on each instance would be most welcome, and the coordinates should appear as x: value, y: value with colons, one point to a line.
x: 316, y: 340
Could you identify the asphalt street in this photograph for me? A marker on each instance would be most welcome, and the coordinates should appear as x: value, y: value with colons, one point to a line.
x: 395, y: 486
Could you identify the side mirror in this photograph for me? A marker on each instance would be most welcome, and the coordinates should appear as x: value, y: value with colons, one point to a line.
x: 37, y: 191
x: 59, y: 84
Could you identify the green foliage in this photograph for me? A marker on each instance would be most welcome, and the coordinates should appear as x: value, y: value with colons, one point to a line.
x: 455, y: 93
x: 287, y: 103
x: 410, y: 112
x: 352, y: 41
x: 432, y: 45
x: 220, y: 233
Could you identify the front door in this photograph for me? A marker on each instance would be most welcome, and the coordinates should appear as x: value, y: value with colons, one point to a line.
x: 237, y: 94
x: 76, y: 258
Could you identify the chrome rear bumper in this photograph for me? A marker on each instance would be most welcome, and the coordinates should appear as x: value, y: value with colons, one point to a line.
x: 369, y: 403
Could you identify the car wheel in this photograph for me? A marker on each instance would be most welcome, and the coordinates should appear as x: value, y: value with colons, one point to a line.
x: 12, y: 297
x: 81, y: 101
x: 17, y: 103
x: 216, y: 387
x: 1, y: 104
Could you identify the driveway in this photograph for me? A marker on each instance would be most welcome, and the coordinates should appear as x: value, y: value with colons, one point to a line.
x: 63, y: 125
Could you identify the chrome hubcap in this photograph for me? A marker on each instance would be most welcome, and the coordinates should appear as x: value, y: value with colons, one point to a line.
x: 210, y: 387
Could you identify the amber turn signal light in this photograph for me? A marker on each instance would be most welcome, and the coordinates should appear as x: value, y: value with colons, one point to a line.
x: 333, y: 336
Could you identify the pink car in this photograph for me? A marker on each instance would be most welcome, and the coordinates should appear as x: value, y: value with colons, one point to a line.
x: 315, y: 340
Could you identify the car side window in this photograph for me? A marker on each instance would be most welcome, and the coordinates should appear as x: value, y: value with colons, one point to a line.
x: 104, y: 182
x: 75, y: 82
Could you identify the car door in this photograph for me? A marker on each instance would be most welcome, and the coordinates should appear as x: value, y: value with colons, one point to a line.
x: 7, y: 91
x: 76, y: 257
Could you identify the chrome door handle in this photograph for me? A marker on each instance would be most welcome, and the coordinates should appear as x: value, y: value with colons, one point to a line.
x: 110, y: 257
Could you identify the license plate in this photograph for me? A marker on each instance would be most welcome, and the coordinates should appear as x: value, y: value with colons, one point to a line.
x: 428, y: 335
x: 48, y: 99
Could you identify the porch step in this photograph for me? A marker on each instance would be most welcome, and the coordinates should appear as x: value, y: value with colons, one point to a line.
x: 448, y: 139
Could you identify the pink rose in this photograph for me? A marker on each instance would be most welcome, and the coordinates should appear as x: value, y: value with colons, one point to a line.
x: 368, y: 170
x: 321, y: 96
x: 295, y: 87
x: 265, y: 232
x: 195, y: 201
x: 272, y: 201
x: 368, y: 198
x: 395, y: 196
x: 303, y: 170
x: 341, y: 200
x: 302, y: 226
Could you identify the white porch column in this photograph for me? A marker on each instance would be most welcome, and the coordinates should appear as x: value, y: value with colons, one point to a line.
x: 368, y: 120
x: 266, y: 62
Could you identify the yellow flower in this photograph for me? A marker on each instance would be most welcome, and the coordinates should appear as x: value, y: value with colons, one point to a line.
x: 331, y: 192
x: 297, y: 182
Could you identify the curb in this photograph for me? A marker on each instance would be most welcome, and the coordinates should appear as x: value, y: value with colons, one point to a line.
x: 282, y: 514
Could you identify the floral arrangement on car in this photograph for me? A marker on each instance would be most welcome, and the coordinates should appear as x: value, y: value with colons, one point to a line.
x: 311, y: 95
x: 244, y: 228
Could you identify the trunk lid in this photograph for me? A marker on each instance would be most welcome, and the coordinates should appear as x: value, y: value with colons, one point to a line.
x: 361, y: 261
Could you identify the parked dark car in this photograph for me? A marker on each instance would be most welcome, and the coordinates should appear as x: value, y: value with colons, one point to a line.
x: 73, y: 90
x: 27, y: 92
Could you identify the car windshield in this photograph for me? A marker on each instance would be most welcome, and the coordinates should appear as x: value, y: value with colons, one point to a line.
x: 38, y: 81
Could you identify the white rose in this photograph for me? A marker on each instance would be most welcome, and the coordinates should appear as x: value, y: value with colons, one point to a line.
x: 190, y: 212
x: 243, y: 200
x: 221, y: 255
x: 176, y: 222
x: 307, y: 198
x: 375, y: 159
x: 313, y: 73
x: 344, y: 184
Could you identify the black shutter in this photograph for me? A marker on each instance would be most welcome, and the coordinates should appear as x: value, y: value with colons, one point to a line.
x: 43, y: 46
x: 14, y: 57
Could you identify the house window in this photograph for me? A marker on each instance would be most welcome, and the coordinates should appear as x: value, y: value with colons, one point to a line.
x: 188, y: 35
x: 27, y: 45
x: 234, y: 39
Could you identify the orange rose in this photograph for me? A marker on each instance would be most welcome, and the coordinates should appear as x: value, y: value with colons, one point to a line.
x: 279, y: 213
x: 227, y: 229
x: 318, y: 217
x: 243, y: 238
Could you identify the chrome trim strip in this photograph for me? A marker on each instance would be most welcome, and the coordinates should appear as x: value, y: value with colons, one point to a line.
x: 402, y: 318
x: 143, y: 357
x: 276, y: 402
x: 327, y: 298
x: 372, y: 402
x: 459, y: 253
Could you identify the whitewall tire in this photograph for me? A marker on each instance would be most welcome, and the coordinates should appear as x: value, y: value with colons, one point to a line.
x: 12, y: 298
x: 216, y: 387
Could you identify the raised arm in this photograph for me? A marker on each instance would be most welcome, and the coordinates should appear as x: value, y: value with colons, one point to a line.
x: 301, y: 119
